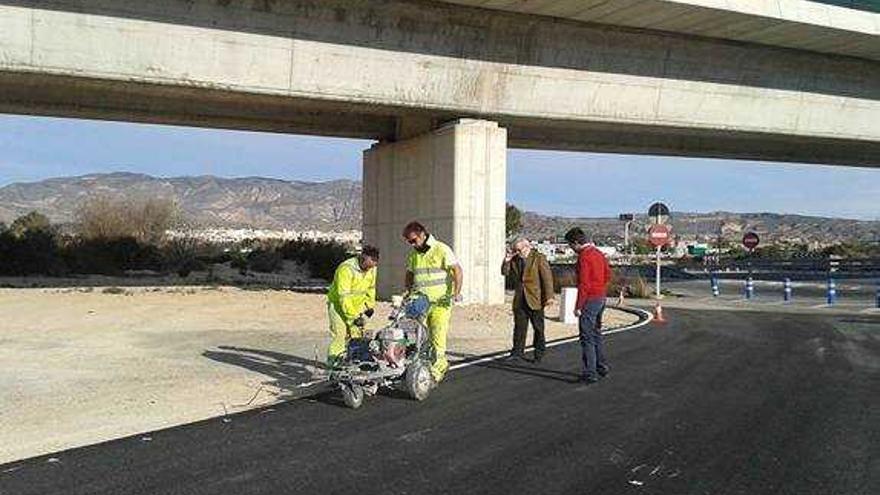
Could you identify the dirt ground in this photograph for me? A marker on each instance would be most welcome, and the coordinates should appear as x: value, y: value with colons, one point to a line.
x: 84, y: 365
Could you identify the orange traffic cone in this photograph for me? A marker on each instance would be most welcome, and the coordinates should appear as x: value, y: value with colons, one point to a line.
x: 658, y: 314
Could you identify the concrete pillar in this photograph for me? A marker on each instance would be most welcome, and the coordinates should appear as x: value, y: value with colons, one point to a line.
x: 453, y: 180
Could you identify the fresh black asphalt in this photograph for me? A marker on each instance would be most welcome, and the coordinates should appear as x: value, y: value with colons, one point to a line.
x: 710, y: 403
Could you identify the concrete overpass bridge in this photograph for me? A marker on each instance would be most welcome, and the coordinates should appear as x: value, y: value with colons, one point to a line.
x: 446, y: 86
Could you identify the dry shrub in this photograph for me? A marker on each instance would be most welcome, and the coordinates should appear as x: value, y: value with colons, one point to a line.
x: 143, y: 219
x: 180, y: 256
x: 639, y: 288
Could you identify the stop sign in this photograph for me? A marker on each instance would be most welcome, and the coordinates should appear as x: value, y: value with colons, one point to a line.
x: 658, y: 235
x: 751, y: 240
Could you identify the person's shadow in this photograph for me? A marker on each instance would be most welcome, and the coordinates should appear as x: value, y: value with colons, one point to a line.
x: 523, y: 366
x: 528, y: 367
x: 294, y: 376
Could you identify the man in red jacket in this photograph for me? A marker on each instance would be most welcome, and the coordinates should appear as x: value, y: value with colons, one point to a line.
x: 593, y: 274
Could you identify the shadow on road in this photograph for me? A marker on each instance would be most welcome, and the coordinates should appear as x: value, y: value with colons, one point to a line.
x: 528, y: 367
x: 293, y: 375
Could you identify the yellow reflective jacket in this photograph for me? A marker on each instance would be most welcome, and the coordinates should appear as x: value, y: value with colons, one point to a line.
x: 353, y: 290
x: 432, y: 271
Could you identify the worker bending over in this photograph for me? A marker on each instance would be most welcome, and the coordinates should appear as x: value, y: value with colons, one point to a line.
x: 350, y: 301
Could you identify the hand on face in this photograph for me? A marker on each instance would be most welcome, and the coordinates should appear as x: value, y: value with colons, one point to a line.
x: 520, y: 249
x: 367, y: 262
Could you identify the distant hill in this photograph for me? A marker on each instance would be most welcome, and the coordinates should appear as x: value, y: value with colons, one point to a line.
x: 204, y: 200
x: 336, y: 205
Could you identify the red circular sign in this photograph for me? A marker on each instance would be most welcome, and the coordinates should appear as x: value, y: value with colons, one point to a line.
x: 659, y: 235
x: 751, y: 240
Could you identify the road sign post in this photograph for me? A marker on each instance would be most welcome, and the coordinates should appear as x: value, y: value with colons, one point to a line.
x: 657, y: 276
x: 658, y: 236
x: 750, y: 240
x: 786, y: 290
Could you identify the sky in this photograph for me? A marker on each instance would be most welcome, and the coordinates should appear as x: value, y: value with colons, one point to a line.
x: 552, y: 183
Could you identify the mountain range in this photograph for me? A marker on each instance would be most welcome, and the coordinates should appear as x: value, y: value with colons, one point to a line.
x: 206, y: 201
x: 258, y: 202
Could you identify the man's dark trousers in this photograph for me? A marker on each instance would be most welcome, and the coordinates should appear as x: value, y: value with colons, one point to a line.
x: 522, y: 315
x: 592, y: 349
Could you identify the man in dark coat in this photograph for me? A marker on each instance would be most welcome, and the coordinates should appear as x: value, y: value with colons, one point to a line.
x: 533, y: 290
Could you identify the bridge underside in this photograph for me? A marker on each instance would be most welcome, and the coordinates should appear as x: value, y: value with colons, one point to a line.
x: 446, y: 89
x: 68, y: 96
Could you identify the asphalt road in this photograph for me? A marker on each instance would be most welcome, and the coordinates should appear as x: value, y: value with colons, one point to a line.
x: 713, y: 402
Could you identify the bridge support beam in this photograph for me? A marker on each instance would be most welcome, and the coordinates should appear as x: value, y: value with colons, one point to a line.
x: 453, y: 180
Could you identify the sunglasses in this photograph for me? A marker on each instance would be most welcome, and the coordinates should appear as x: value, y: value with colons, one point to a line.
x: 412, y: 240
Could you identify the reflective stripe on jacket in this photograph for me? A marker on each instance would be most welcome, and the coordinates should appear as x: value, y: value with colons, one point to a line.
x: 432, y: 270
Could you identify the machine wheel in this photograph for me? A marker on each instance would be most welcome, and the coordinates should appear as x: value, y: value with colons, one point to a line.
x: 352, y: 394
x: 419, y: 381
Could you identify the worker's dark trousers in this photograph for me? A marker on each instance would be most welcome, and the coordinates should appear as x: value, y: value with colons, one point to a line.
x: 590, y: 330
x: 522, y: 315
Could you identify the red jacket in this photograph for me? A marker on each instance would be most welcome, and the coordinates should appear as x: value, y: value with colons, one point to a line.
x: 593, y: 274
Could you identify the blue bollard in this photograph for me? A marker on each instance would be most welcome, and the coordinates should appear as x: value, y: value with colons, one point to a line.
x: 750, y: 288
x: 786, y: 290
x: 715, y: 290
x: 832, y: 292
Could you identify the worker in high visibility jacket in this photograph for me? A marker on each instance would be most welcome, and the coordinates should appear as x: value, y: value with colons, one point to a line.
x: 350, y: 301
x: 433, y: 270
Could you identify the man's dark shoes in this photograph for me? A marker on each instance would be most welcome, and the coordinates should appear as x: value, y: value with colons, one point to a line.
x: 603, y: 372
x: 588, y: 380
x: 538, y: 358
